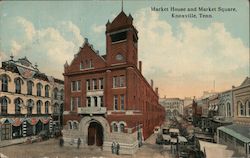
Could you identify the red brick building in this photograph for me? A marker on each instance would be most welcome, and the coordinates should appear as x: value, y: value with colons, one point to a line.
x: 107, y: 99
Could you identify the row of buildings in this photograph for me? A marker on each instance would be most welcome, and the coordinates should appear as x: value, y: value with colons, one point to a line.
x: 30, y: 101
x: 224, y: 117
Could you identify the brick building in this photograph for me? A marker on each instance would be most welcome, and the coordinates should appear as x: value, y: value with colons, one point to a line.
x: 107, y: 98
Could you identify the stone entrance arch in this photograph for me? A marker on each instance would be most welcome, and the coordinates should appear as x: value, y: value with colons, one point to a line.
x: 95, y: 123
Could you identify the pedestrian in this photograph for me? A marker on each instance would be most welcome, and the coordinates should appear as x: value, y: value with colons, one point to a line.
x: 78, y: 143
x: 61, y: 142
x: 113, y: 147
x: 117, y: 148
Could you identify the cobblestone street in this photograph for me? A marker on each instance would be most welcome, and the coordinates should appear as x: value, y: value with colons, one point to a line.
x: 51, y: 149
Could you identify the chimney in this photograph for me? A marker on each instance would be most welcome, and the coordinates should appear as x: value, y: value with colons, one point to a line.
x: 156, y: 90
x: 140, y: 64
x: 152, y: 83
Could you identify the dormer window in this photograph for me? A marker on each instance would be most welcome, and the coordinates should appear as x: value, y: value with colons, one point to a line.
x: 117, y: 37
x: 81, y: 66
x: 119, y: 57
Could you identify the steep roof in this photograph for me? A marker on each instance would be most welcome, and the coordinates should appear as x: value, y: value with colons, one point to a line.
x: 246, y: 82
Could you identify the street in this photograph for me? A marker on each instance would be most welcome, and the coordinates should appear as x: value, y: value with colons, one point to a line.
x: 51, y: 149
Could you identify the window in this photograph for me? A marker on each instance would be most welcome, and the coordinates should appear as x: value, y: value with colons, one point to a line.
x: 4, y: 106
x: 88, y: 101
x: 18, y: 85
x: 101, y: 82
x: 118, y: 81
x: 81, y: 66
x: 90, y: 63
x: 75, y: 125
x: 18, y: 106
x: 56, y: 109
x: 46, y: 107
x: 114, y: 127
x: 55, y: 93
x: 248, y: 107
x: 5, y: 83
x: 47, y: 91
x: 88, y: 84
x: 122, y: 128
x: 228, y: 109
x: 70, y: 125
x: 94, y: 84
x: 122, y: 102
x: 30, y: 104
x: 29, y: 87
x: 78, y: 101
x: 101, y: 101
x: 38, y: 107
x: 95, y: 101
x: 115, y: 102
x: 119, y: 36
x: 242, y: 109
x: 62, y: 94
x: 75, y: 86
x: 39, y: 89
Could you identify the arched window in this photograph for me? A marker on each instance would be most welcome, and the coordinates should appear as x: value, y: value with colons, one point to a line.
x: 241, y: 109
x: 55, y: 93
x: 39, y: 89
x: 5, y: 83
x: 30, y: 105
x: 228, y: 109
x: 70, y: 126
x: 38, y: 106
x: 122, y: 127
x: 18, y: 102
x: 18, y: 86
x: 29, y: 87
x: 75, y: 125
x: 62, y: 94
x: 4, y: 106
x: 47, y: 91
x: 114, y: 127
x: 248, y: 107
x: 46, y: 107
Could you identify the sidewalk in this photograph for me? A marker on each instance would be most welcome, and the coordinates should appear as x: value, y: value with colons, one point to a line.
x: 12, y: 142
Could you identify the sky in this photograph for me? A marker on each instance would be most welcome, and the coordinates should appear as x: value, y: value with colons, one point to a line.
x: 184, y: 56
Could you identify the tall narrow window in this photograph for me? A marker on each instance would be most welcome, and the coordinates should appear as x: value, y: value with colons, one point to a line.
x: 29, y: 87
x: 88, y: 84
x: 38, y: 106
x: 4, y: 106
x: 101, y: 101
x: 88, y: 101
x: 101, y: 82
x: 81, y: 66
x: 78, y: 85
x: 72, y: 104
x: 62, y: 94
x: 39, y: 89
x: 115, y: 102
x: 122, y: 128
x: 78, y: 101
x: 248, y: 107
x: 18, y: 106
x: 30, y: 106
x: 114, y: 127
x: 47, y: 91
x: 18, y: 85
x: 122, y: 102
x: 90, y: 63
x: 5, y: 83
x: 122, y: 81
x: 95, y: 102
x: 75, y: 86
x: 242, y: 109
x: 94, y: 84
x: 46, y: 107
x: 228, y: 109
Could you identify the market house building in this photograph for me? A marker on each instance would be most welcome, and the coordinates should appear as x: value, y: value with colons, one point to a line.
x: 173, y: 106
x: 107, y: 99
x: 29, y: 100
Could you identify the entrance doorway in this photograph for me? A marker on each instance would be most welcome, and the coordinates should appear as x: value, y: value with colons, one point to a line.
x: 95, y: 134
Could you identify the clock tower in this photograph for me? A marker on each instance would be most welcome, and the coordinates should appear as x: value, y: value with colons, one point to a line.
x: 121, y: 41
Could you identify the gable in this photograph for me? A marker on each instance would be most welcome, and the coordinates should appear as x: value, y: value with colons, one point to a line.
x: 246, y: 82
x: 86, y: 59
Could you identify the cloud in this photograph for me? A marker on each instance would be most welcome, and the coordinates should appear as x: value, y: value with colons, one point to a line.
x: 49, y: 47
x: 190, y: 59
x: 98, y: 29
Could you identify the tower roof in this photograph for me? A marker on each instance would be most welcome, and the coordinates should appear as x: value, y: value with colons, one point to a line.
x: 121, y: 21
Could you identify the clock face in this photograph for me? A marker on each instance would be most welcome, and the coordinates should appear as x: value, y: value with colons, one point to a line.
x: 119, y: 57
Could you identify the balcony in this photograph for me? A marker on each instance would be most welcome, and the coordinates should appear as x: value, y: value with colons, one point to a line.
x: 92, y: 110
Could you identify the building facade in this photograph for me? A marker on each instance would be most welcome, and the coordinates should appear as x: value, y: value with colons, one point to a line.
x: 173, y: 106
x: 26, y: 99
x: 237, y: 135
x: 107, y: 99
